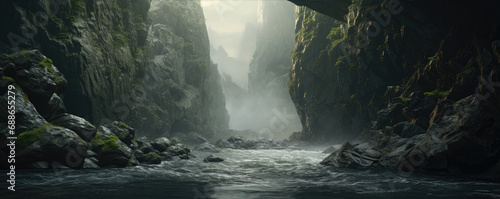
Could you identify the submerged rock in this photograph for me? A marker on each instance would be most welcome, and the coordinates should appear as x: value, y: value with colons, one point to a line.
x: 212, y: 158
x: 184, y: 157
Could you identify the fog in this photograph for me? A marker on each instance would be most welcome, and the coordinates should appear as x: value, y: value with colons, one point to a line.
x: 235, y: 27
x: 231, y: 25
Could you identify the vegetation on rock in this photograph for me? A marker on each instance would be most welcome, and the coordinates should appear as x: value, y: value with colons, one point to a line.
x: 29, y: 137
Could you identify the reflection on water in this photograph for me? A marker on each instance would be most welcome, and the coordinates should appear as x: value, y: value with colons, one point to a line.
x: 244, y: 174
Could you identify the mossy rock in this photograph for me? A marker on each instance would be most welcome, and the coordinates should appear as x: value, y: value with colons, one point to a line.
x: 110, y: 144
x: 29, y: 137
x: 152, y: 158
x: 47, y: 63
x: 105, y: 143
x: 122, y: 124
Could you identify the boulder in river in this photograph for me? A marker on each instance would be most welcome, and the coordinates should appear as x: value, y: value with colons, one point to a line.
x: 184, y: 157
x: 111, y: 151
x: 55, y: 145
x: 353, y: 156
x: 178, y: 149
x: 152, y: 158
x: 145, y: 146
x: 212, y: 158
x: 161, y: 144
x: 464, y: 140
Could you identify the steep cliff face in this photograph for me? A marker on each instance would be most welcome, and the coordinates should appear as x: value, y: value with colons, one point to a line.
x: 417, y: 79
x: 342, y: 70
x: 96, y: 44
x: 336, y: 98
x: 182, y: 88
x: 142, y: 62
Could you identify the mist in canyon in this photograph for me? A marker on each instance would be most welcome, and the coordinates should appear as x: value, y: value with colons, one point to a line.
x: 250, y: 99
x: 251, y: 42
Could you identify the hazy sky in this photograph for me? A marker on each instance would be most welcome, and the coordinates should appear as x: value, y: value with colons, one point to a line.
x: 232, y: 25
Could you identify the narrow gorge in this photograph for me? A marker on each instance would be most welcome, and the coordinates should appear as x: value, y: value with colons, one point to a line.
x: 249, y: 99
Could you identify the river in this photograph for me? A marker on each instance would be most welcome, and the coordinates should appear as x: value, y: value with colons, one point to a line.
x: 245, y: 174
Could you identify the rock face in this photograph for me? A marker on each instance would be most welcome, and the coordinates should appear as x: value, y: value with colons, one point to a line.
x: 61, y: 140
x: 333, y: 8
x: 142, y: 62
x: 464, y: 140
x: 40, y: 144
x: 415, y: 80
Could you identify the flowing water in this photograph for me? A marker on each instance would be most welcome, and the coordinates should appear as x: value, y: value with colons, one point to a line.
x: 245, y: 174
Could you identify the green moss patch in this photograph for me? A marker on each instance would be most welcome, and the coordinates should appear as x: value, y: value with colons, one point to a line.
x: 105, y: 143
x: 29, y: 137
x: 110, y: 144
x: 11, y: 57
x: 152, y: 156
x: 436, y: 94
x: 47, y: 63
x: 9, y: 79
x: 97, y: 142
x: 122, y: 124
x: 25, y: 97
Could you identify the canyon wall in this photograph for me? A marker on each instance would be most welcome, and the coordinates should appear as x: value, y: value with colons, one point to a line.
x: 143, y: 62
x: 416, y: 80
